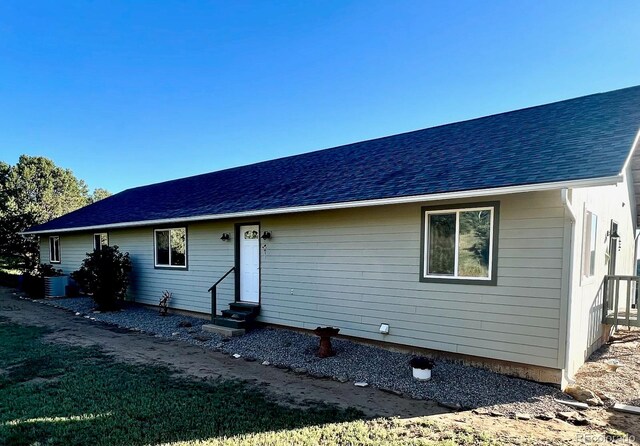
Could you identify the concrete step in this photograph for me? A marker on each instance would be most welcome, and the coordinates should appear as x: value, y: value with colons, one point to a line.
x: 226, y: 332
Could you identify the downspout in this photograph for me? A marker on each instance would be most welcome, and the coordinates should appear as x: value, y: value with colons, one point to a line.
x: 564, y: 193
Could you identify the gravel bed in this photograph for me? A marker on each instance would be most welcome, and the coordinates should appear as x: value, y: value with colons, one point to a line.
x: 452, y: 384
x: 138, y: 318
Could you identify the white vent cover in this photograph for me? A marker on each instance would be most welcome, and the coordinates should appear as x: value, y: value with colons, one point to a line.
x: 55, y: 286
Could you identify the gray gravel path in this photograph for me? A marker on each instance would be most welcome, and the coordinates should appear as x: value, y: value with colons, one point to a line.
x: 452, y: 384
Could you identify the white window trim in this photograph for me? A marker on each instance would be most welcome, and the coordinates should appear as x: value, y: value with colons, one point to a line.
x: 51, y: 259
x: 100, y: 234
x: 155, y: 249
x: 455, y: 276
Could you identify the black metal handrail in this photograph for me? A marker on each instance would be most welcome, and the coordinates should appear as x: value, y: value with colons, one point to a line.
x: 214, y: 294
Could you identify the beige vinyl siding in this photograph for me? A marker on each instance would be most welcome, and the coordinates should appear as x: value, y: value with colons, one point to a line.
x: 358, y: 268
x: 208, y: 259
x: 73, y: 249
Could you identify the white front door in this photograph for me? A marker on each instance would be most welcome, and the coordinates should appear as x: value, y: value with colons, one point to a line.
x: 250, y: 263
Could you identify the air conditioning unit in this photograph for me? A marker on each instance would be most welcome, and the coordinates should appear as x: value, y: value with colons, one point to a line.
x: 55, y: 286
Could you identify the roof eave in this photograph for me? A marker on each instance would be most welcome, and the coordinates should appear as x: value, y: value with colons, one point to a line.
x: 602, y: 181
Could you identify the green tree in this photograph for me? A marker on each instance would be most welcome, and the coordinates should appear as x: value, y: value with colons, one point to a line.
x: 33, y: 192
x: 99, y: 194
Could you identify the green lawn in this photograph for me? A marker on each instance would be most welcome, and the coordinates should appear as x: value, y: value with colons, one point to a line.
x: 52, y: 394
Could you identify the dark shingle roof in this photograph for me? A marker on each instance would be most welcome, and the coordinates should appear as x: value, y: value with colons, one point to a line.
x: 583, y: 138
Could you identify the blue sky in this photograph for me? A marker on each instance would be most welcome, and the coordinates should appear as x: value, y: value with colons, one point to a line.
x: 132, y: 93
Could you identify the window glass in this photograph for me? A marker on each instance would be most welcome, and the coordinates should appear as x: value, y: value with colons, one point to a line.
x: 162, y: 247
x: 178, y: 247
x: 54, y: 249
x: 590, y: 243
x: 594, y: 236
x: 100, y: 240
x: 442, y: 239
x: 459, y: 243
x: 171, y: 247
x: 474, y: 244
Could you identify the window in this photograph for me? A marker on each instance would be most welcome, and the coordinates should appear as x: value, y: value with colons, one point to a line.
x: 171, y: 247
x: 589, y: 243
x: 460, y: 244
x: 54, y: 249
x: 100, y: 240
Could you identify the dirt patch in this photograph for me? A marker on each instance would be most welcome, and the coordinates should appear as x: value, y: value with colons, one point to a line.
x: 194, y: 361
x: 623, y: 385
x: 287, y: 387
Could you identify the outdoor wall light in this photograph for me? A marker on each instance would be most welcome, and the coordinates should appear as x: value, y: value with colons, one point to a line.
x: 225, y: 237
x: 384, y: 328
x: 266, y: 235
x: 614, y: 234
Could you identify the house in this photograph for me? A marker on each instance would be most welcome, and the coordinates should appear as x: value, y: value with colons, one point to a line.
x: 490, y: 240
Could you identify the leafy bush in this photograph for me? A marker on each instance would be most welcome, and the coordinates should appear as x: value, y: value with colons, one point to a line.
x: 105, y: 274
x: 46, y: 270
x: 420, y: 362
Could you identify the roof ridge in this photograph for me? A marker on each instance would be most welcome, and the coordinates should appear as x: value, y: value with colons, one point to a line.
x: 382, y: 138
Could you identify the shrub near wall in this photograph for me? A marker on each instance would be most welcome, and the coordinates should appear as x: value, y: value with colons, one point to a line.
x: 105, y: 275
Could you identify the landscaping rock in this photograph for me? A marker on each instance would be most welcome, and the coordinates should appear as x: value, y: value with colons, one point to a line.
x: 361, y: 384
x: 546, y: 416
x: 450, y: 405
x: 606, y: 399
x: 201, y: 338
x: 580, y: 421
x: 522, y: 416
x: 266, y: 363
x: 583, y: 395
x: 613, y: 364
x: 567, y: 415
x: 342, y: 379
x: 495, y: 413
